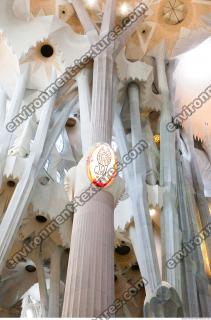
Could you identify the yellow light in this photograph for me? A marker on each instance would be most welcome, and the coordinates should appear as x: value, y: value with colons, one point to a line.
x: 156, y: 138
x: 102, y: 165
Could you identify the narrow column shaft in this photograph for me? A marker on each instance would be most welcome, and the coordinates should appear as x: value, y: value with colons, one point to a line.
x: 85, y: 107
x: 199, y: 190
x: 188, y: 276
x: 170, y: 232
x: 143, y: 227
x: 3, y: 101
x: 101, y: 116
x: 42, y: 284
x: 54, y: 294
x: 90, y: 276
x: 5, y: 136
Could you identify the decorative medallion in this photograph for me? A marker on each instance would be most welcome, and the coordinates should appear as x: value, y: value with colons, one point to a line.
x: 102, y: 165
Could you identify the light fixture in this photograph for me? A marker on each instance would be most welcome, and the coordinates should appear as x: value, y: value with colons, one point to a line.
x: 156, y: 138
x: 152, y: 212
x: 90, y: 3
x: 124, y: 9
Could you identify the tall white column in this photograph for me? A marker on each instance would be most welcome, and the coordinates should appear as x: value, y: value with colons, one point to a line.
x: 36, y: 257
x: 3, y: 101
x: 171, y: 236
x: 54, y: 294
x: 90, y: 276
x: 83, y: 81
x: 149, y: 263
x: 5, y: 135
x: 199, y: 189
x: 189, y: 278
x: 201, y: 278
x: 152, y: 155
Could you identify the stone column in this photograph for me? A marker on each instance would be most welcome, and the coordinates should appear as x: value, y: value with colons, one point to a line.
x: 201, y: 278
x: 199, y: 190
x: 90, y: 279
x: 143, y: 227
x: 3, y: 101
x: 90, y: 276
x: 152, y: 155
x: 85, y: 107
x: 54, y: 294
x: 5, y: 135
x: 170, y: 233
x: 189, y: 288
x: 42, y: 283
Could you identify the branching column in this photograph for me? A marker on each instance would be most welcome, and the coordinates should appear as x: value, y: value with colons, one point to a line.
x: 170, y: 232
x: 90, y: 276
x: 143, y: 226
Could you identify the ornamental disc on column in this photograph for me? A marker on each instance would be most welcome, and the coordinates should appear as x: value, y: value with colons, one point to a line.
x: 102, y: 165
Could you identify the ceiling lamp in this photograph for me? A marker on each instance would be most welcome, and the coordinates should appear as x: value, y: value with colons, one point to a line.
x: 156, y: 138
x: 152, y: 212
x: 90, y: 3
x: 124, y: 9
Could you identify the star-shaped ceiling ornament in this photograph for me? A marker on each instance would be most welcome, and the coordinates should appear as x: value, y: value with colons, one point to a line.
x: 169, y: 20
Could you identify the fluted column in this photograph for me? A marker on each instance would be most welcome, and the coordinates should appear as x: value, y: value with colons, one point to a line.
x: 189, y: 281
x: 147, y: 253
x: 101, y: 117
x: 201, y: 278
x: 170, y: 233
x: 85, y: 107
x: 152, y: 155
x: 90, y: 276
x: 54, y: 294
x: 199, y: 189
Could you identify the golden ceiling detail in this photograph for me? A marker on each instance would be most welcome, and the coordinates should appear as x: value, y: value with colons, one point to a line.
x: 174, y: 11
